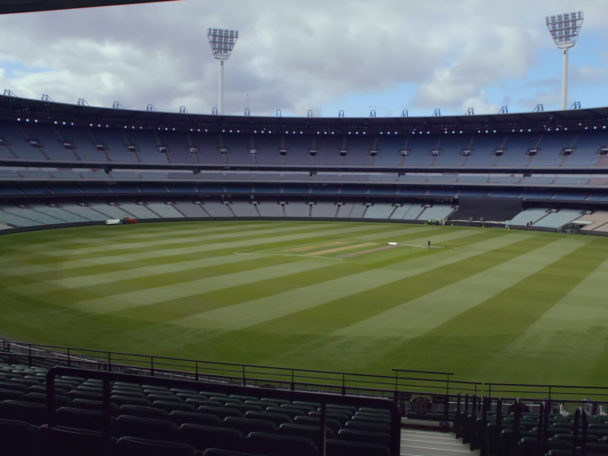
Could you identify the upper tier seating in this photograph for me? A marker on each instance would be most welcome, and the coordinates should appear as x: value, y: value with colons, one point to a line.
x: 38, y: 142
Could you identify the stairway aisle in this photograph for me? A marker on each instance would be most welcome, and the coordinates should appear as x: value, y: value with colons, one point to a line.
x: 415, y: 442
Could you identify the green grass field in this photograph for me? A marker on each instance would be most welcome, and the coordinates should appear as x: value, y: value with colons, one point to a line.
x: 487, y: 304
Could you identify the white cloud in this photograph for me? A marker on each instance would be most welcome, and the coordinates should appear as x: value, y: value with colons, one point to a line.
x: 290, y: 55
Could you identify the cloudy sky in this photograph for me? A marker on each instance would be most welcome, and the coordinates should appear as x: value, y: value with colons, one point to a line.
x: 324, y: 55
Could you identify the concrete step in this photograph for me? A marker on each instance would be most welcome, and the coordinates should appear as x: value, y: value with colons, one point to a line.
x: 415, y: 442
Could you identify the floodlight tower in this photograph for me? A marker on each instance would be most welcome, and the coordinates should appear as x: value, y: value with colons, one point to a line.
x: 222, y: 42
x: 564, y: 29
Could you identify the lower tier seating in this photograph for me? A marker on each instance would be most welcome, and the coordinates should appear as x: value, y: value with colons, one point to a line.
x: 150, y: 416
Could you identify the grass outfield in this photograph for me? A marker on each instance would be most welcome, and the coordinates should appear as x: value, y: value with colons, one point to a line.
x: 489, y: 305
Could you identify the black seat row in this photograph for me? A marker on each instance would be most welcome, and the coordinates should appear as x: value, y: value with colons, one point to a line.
x: 25, y: 439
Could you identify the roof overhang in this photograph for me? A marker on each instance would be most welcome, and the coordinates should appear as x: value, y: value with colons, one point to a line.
x: 27, y: 6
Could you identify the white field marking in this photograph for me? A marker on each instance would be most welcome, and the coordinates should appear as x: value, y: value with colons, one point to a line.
x: 445, y: 237
x: 420, y: 246
x: 157, y: 253
x: 256, y: 311
x: 300, y: 255
x: 418, y: 316
x: 152, y: 295
x: 312, y: 247
x: 343, y: 248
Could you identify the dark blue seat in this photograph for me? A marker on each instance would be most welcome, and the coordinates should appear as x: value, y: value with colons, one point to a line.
x: 64, y: 440
x: 17, y: 437
x: 280, y: 445
x: 247, y: 425
x: 135, y: 446
x: 203, y: 437
x: 169, y: 406
x: 30, y: 412
x: 219, y: 452
x: 80, y: 418
x: 221, y: 412
x: 350, y: 448
x: 142, y: 410
x: 358, y: 435
x: 302, y: 430
x: 182, y: 416
x: 276, y: 418
x: 144, y: 427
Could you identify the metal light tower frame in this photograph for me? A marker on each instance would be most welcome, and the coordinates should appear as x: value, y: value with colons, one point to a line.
x: 222, y: 43
x: 564, y: 29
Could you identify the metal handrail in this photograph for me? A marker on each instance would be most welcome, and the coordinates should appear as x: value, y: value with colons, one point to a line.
x: 390, y: 385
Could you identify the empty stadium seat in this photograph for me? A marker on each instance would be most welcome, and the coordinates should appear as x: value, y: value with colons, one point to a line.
x: 144, y: 411
x: 203, y: 437
x: 276, y: 418
x: 247, y: 425
x: 280, y: 445
x: 182, y: 416
x: 134, y: 446
x: 79, y: 418
x: 351, y: 448
x: 70, y: 441
x: 358, y: 435
x: 302, y: 430
x: 219, y: 452
x: 144, y: 427
x: 30, y: 412
x: 17, y: 437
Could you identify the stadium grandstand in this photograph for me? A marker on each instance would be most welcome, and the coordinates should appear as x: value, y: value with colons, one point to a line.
x: 64, y: 164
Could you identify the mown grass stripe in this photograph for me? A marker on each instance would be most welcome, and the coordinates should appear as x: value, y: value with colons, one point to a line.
x: 304, y: 329
x: 174, y: 278
x: 137, y: 268
x: 572, y: 336
x: 96, y: 245
x: 417, y: 316
x: 297, y: 285
x: 116, y: 249
x: 341, y: 292
x: 151, y: 295
x: 495, y: 323
x: 113, y: 257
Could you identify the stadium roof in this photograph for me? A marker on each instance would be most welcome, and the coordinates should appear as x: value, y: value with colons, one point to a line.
x: 13, y: 108
x: 26, y: 6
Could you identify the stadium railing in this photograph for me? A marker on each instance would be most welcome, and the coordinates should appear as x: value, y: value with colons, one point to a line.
x: 323, y: 399
x: 488, y: 416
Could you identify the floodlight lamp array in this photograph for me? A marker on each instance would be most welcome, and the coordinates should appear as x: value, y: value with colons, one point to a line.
x: 222, y: 42
x: 564, y: 28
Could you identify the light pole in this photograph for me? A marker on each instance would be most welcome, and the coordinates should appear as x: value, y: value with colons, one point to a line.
x: 564, y: 29
x: 222, y: 42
